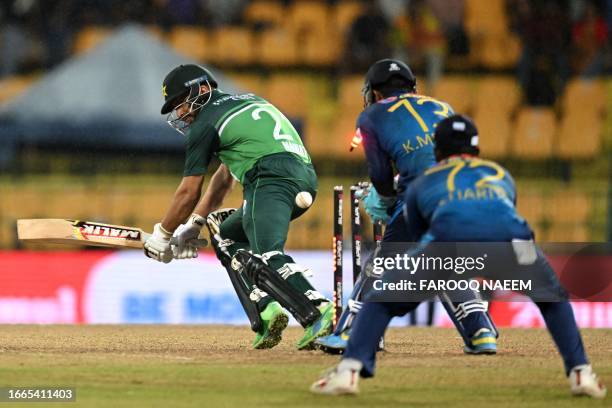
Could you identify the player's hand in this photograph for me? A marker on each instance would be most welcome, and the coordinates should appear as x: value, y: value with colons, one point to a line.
x: 187, y: 250
x: 187, y: 233
x: 375, y: 206
x: 157, y: 246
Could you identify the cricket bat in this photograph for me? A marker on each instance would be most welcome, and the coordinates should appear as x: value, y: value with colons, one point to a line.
x: 63, y: 231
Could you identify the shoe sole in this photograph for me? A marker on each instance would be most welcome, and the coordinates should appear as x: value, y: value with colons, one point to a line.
x: 329, y: 350
x: 584, y: 392
x: 277, y: 325
x: 336, y: 391
x: 474, y: 352
x: 336, y: 351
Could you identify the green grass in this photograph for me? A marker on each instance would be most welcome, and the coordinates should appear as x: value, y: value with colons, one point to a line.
x: 205, y: 366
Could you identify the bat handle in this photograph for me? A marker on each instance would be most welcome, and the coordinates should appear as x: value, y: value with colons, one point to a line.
x: 198, y: 243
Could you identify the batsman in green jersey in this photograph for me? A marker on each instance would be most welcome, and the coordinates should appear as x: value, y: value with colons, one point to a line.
x: 259, y: 148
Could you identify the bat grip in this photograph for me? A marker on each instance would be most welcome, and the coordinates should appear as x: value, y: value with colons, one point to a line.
x: 198, y: 243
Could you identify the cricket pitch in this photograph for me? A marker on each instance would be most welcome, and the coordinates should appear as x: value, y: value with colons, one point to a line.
x: 214, y: 366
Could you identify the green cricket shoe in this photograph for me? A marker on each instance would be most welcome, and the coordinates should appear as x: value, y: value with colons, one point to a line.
x: 274, y: 321
x: 322, y: 327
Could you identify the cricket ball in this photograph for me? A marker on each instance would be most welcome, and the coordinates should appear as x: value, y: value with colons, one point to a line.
x: 303, y: 199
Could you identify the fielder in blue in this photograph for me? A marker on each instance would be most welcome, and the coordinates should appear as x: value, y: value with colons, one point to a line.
x: 396, y: 129
x: 464, y: 199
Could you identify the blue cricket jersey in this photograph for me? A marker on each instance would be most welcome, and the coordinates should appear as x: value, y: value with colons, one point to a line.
x: 398, y: 132
x: 464, y: 199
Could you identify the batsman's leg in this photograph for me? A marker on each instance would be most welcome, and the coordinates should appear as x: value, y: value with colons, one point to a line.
x: 258, y: 270
x: 267, y: 317
x: 269, y: 208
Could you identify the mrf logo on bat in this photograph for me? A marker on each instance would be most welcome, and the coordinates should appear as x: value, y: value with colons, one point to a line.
x: 86, y: 230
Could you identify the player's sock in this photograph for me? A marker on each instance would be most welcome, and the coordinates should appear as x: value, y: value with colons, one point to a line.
x: 368, y: 327
x: 350, y: 364
x: 561, y: 324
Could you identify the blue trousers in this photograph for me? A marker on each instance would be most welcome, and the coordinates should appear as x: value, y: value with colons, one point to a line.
x: 373, y: 319
x: 467, y: 325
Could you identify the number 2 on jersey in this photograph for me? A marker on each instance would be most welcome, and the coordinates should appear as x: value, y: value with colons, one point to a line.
x: 484, y: 182
x: 276, y: 133
x: 287, y: 140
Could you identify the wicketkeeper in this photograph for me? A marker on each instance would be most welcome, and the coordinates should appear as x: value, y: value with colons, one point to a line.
x: 396, y: 128
x: 258, y: 147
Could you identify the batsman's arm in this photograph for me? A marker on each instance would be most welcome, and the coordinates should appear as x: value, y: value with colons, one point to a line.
x: 185, y: 199
x: 221, y: 184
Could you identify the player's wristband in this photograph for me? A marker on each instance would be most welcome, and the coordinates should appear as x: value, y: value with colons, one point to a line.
x: 162, y: 231
x: 197, y: 220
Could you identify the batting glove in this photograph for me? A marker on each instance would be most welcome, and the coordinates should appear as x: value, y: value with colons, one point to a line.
x: 157, y: 246
x: 188, y: 249
x: 190, y: 231
x: 188, y: 252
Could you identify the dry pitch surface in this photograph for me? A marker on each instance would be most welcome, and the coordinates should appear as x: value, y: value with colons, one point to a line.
x: 213, y: 366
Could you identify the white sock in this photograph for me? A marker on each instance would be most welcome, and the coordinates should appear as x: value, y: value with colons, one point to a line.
x: 580, y: 367
x: 350, y: 364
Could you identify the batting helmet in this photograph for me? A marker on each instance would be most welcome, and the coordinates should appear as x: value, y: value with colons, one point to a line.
x: 181, y: 80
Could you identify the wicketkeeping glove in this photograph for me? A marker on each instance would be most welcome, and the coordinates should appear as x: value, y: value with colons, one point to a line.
x: 157, y: 246
x: 376, y: 206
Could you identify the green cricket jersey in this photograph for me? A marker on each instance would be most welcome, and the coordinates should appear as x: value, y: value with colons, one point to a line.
x: 240, y: 130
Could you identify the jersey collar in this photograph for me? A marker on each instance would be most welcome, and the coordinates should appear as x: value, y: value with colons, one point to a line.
x: 457, y: 157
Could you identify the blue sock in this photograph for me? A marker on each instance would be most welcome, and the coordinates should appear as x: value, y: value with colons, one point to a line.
x: 559, y: 318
